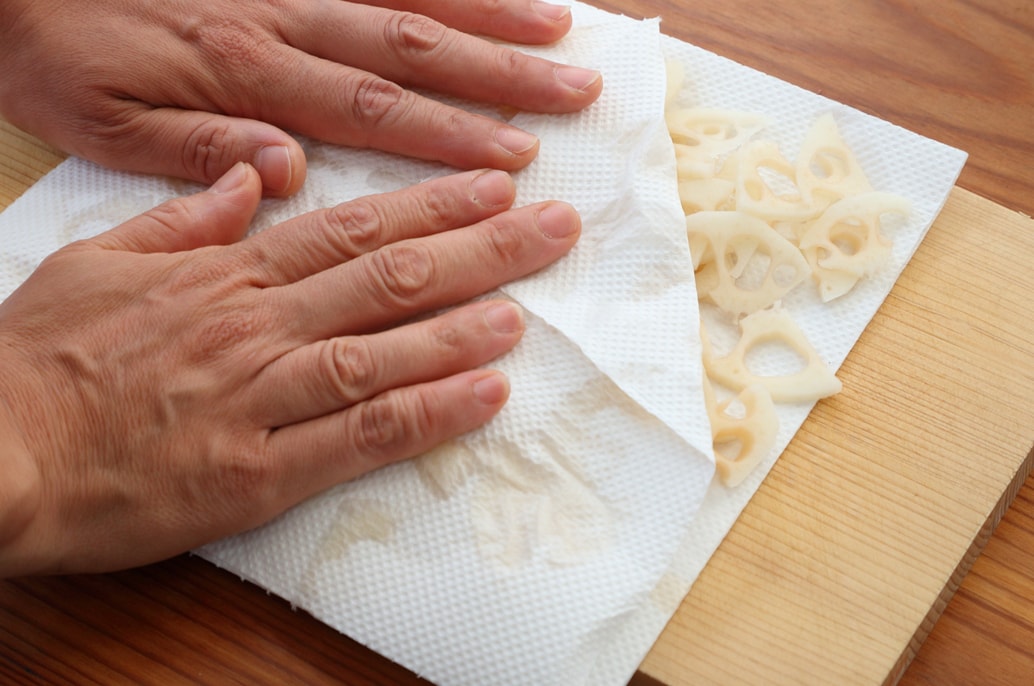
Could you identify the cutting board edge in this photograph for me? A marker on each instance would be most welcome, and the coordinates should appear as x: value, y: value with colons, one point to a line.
x: 953, y: 583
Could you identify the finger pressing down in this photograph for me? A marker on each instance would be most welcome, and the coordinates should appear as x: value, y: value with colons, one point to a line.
x: 398, y: 281
x: 393, y: 426
x: 336, y: 374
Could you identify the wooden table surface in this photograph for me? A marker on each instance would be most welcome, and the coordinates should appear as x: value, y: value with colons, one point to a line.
x: 959, y: 71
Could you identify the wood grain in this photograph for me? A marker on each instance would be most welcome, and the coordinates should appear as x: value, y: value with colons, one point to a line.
x: 858, y: 538
x: 957, y: 71
x: 960, y: 71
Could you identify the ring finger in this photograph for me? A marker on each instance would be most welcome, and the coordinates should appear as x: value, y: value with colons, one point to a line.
x: 322, y: 239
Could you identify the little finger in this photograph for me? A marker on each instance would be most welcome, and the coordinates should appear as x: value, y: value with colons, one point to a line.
x: 396, y: 425
x: 331, y: 375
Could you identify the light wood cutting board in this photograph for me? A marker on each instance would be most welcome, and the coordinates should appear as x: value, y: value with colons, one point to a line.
x: 847, y: 554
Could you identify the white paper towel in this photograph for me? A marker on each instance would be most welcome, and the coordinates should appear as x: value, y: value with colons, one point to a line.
x: 553, y: 545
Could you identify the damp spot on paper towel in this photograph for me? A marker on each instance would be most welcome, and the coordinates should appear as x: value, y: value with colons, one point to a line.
x: 601, y: 394
x: 536, y: 500
x: 521, y: 510
x: 444, y: 470
x: 357, y: 520
x: 533, y: 499
x: 106, y: 214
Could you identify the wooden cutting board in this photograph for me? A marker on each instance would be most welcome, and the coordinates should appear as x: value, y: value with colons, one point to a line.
x: 861, y: 533
x: 847, y: 554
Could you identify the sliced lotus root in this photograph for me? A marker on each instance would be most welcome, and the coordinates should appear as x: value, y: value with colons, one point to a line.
x: 826, y: 168
x: 702, y: 136
x: 813, y: 381
x: 742, y: 264
x: 846, y: 244
x: 742, y: 440
x: 766, y: 185
x: 700, y: 195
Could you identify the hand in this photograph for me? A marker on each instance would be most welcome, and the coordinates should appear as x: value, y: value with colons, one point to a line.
x: 187, y: 88
x: 166, y: 383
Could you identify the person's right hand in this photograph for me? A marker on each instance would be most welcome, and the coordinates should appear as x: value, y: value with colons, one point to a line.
x: 187, y: 88
x: 165, y: 383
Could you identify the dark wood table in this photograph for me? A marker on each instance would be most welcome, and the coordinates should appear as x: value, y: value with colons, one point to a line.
x: 959, y: 71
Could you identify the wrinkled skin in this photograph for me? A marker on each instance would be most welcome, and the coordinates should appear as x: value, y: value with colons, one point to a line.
x: 169, y: 382
x: 187, y: 88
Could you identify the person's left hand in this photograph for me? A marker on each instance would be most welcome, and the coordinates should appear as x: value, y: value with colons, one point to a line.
x: 165, y: 383
x: 187, y: 88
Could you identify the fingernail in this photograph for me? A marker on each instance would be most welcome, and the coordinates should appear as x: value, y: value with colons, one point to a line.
x: 553, y: 12
x: 491, y: 389
x: 231, y: 179
x: 492, y: 188
x: 576, y: 77
x: 515, y: 141
x: 556, y: 221
x: 505, y: 317
x: 273, y: 163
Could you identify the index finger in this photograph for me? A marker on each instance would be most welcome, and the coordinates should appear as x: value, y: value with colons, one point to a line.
x: 322, y: 239
x: 414, y: 50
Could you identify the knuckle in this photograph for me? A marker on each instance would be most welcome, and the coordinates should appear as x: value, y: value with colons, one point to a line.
x: 512, y: 61
x: 207, y: 149
x: 224, y: 274
x: 238, y: 55
x: 351, y: 367
x: 353, y: 228
x: 438, y: 209
x: 380, y: 427
x: 173, y: 214
x: 458, y: 123
x: 506, y: 244
x: 491, y: 7
x: 246, y: 477
x: 226, y: 39
x: 389, y: 425
x: 449, y: 340
x: 376, y: 101
x: 401, y: 273
x: 221, y: 334
x: 415, y: 35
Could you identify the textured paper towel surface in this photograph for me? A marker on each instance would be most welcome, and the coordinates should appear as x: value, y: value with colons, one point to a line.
x: 552, y: 546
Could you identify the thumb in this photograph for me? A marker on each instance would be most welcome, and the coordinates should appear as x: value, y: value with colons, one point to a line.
x: 201, y: 146
x: 217, y: 216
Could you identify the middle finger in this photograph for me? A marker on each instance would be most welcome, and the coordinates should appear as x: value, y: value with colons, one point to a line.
x: 322, y: 239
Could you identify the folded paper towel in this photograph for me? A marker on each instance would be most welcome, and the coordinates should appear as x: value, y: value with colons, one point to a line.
x: 551, y: 546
